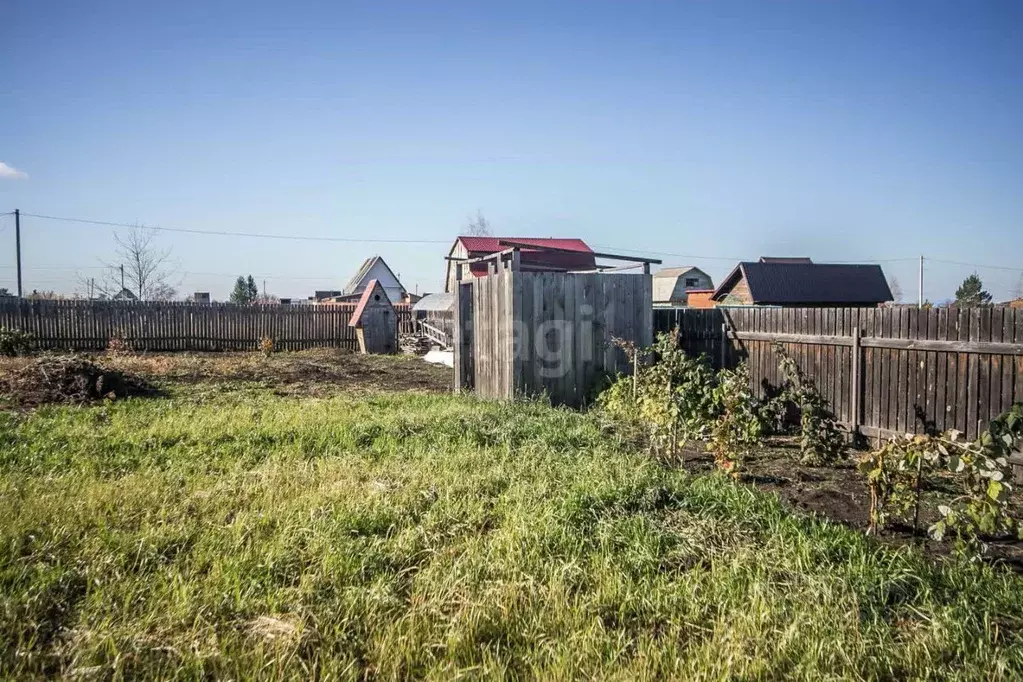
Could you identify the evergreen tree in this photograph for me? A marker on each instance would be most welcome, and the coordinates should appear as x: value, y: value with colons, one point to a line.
x: 244, y: 292
x: 971, y: 294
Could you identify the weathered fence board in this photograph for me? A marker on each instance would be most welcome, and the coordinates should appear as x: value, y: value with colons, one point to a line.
x: 532, y: 333
x: 884, y: 371
x: 90, y: 325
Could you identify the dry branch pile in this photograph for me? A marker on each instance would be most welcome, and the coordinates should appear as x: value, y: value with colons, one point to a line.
x: 68, y: 379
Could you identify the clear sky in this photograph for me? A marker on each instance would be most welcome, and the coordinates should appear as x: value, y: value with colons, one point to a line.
x: 708, y: 130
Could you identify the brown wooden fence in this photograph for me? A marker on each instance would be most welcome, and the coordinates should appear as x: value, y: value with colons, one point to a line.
x: 89, y: 325
x: 884, y: 371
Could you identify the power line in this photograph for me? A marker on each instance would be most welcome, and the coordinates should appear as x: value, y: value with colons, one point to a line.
x: 976, y: 265
x: 312, y: 238
x: 221, y: 233
x: 232, y: 275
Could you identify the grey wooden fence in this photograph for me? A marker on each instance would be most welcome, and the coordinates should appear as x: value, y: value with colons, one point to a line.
x: 530, y: 333
x: 884, y: 371
x: 89, y: 325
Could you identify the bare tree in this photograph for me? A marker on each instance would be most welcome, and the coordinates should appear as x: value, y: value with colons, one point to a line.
x: 893, y: 284
x: 478, y: 226
x: 140, y: 266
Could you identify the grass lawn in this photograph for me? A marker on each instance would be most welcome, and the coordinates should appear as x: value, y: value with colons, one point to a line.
x: 234, y: 531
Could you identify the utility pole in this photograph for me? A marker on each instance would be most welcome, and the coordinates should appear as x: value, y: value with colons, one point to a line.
x: 122, y: 278
x: 17, y: 245
x: 920, y: 295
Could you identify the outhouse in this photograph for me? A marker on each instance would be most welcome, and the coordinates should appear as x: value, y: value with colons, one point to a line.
x: 375, y: 322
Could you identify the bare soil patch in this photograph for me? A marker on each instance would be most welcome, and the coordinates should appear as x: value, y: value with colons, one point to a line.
x: 839, y: 492
x: 318, y: 372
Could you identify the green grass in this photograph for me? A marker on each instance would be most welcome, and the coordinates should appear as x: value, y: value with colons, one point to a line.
x: 242, y: 535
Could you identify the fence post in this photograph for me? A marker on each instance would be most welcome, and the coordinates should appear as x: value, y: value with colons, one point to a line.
x: 462, y: 337
x: 856, y: 370
x: 724, y: 345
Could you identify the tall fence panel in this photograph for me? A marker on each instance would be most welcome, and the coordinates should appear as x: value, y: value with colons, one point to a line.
x: 549, y: 333
x: 883, y: 370
x: 90, y: 325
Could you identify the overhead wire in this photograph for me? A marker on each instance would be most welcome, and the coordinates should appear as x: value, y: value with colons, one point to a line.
x: 384, y: 240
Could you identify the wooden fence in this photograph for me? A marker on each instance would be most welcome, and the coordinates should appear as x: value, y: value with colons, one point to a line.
x: 89, y: 325
x: 531, y: 333
x: 884, y: 371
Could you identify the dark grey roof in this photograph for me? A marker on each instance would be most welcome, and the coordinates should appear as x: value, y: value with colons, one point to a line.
x: 810, y: 283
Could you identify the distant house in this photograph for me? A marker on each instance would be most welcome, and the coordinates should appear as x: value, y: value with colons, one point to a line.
x: 125, y: 294
x: 201, y: 297
x: 321, y: 294
x: 671, y: 286
x: 572, y: 254
x: 373, y: 269
x: 801, y: 282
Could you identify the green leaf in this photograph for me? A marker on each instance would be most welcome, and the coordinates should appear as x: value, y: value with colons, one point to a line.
x: 994, y: 489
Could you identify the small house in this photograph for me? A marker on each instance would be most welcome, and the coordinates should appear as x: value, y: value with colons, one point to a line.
x: 671, y: 286
x: 375, y: 321
x: 551, y: 255
x: 803, y: 283
x: 373, y: 270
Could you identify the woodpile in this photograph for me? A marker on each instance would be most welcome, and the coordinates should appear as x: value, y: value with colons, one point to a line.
x: 414, y: 344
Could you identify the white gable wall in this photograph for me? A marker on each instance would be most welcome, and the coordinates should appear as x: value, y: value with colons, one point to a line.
x: 380, y: 272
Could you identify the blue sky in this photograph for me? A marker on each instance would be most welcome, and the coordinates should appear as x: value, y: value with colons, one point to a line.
x: 709, y: 130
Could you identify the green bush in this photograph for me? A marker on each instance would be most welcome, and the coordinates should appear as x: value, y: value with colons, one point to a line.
x: 14, y: 342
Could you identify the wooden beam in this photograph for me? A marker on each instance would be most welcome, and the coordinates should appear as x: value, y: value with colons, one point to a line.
x: 979, y: 347
x: 811, y: 339
x: 557, y: 249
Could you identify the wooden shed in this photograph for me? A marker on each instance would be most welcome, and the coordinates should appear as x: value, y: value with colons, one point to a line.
x: 375, y: 321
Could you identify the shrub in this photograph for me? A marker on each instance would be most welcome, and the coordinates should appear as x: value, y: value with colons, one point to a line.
x: 119, y: 344
x: 737, y: 431
x: 897, y: 472
x: 821, y: 441
x: 671, y: 401
x: 679, y: 399
x: 14, y: 342
x: 266, y: 346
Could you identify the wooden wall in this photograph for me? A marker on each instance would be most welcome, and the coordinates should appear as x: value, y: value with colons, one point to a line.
x: 549, y: 333
x: 908, y: 371
x: 89, y: 325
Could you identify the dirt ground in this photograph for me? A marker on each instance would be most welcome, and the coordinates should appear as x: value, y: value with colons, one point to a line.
x: 318, y: 372
x: 840, y: 493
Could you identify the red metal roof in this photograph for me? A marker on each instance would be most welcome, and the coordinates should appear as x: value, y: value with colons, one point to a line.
x: 485, y: 245
x: 370, y: 288
x: 580, y: 256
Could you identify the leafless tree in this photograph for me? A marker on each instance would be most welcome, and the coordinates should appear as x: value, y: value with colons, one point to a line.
x: 478, y: 226
x: 140, y: 266
x: 893, y: 284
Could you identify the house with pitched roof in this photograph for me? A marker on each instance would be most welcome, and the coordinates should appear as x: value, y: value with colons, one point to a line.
x: 671, y: 286
x: 799, y: 282
x: 572, y: 255
x: 374, y: 269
